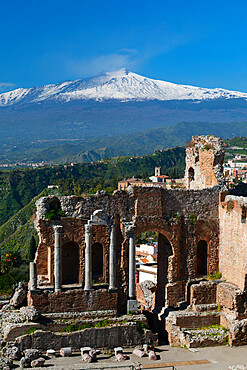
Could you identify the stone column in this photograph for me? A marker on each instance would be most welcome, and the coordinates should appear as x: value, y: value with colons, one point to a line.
x: 112, y: 259
x: 33, y: 276
x: 57, y: 258
x: 132, y: 303
x: 132, y: 262
x: 88, y: 257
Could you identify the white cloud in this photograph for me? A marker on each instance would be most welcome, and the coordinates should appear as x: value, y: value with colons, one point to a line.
x: 103, y: 63
x: 130, y: 58
x: 6, y: 86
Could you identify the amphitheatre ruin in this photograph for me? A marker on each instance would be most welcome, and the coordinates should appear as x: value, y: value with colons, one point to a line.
x: 84, y: 268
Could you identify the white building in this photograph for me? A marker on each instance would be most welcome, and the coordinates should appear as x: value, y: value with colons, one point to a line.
x: 146, y: 266
x: 147, y: 272
x: 147, y: 248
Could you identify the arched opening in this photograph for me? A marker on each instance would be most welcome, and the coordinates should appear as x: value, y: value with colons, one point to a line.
x: 70, y: 263
x: 153, y: 250
x: 191, y: 174
x: 54, y: 205
x: 97, y: 261
x: 202, y: 258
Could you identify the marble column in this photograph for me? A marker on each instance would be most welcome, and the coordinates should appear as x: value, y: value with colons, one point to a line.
x: 112, y: 259
x: 88, y: 257
x: 57, y: 258
x: 132, y: 261
x: 33, y: 276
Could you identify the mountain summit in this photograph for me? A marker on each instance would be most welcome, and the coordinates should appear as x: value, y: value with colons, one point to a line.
x: 120, y: 85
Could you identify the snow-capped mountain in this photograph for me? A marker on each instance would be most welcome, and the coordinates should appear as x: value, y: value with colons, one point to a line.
x: 120, y: 85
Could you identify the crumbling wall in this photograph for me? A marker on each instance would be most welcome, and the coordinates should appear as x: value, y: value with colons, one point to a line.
x: 233, y: 240
x: 184, y: 217
x: 204, y: 162
x: 73, y: 300
x: 110, y: 337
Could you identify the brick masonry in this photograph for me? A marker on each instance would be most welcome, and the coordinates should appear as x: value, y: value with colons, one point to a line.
x: 203, y: 293
x: 233, y: 241
x: 73, y: 300
x: 182, y: 217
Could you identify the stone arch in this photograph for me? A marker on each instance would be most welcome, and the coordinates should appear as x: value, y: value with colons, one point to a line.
x: 202, y: 258
x: 97, y: 261
x: 70, y: 263
x: 54, y: 204
x: 164, y: 261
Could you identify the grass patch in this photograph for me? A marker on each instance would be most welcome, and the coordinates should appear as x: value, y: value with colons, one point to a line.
x: 216, y: 276
x: 140, y: 327
x: 31, y: 330
x: 100, y: 324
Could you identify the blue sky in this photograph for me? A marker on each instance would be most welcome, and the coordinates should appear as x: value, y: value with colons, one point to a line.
x: 201, y: 43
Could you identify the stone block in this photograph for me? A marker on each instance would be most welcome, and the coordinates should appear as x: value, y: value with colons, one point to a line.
x: 38, y: 363
x: 132, y: 305
x: 174, y: 293
x: 203, y: 293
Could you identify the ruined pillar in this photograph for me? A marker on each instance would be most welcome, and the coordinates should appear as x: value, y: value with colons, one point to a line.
x: 57, y: 258
x: 112, y: 259
x: 132, y: 304
x: 32, y: 276
x: 88, y: 257
x: 132, y: 263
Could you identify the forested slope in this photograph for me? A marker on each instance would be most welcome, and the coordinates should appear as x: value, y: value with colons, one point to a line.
x: 19, y: 187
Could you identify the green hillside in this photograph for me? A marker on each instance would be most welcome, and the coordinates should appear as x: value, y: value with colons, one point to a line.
x: 19, y: 187
x: 240, y: 142
x: 138, y: 143
x: 236, y: 145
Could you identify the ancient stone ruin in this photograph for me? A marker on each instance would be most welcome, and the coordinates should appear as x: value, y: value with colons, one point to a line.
x: 85, y: 260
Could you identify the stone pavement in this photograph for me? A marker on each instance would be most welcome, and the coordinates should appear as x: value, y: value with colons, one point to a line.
x: 218, y: 358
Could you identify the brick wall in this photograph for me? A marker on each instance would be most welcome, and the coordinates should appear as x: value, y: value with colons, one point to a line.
x: 193, y: 321
x: 151, y: 209
x: 174, y: 293
x: 76, y: 300
x: 203, y: 293
x: 233, y: 242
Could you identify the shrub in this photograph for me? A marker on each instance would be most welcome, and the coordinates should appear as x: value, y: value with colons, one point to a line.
x: 54, y: 215
x: 103, y: 323
x: 140, y: 326
x: 229, y: 206
x: 192, y: 219
x: 207, y: 147
x: 216, y: 276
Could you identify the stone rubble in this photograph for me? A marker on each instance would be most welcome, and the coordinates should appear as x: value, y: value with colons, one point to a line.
x: 29, y: 313
x: 11, y: 352
x: 38, y: 363
x: 204, y: 337
x: 25, y: 362
x: 32, y: 354
x: 5, y: 364
x: 19, y: 295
